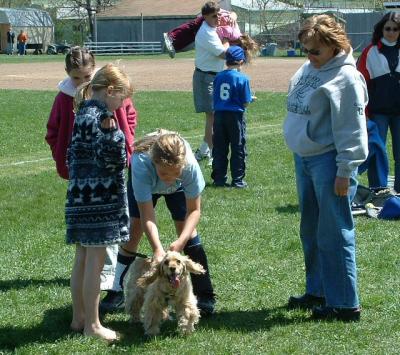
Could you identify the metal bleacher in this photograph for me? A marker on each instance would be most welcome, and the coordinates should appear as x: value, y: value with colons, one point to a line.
x: 122, y: 48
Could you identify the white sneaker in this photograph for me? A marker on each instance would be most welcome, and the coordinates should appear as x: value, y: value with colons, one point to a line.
x: 168, y: 45
x: 200, y: 156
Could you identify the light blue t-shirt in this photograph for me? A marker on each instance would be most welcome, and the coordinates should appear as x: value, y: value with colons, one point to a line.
x: 146, y: 182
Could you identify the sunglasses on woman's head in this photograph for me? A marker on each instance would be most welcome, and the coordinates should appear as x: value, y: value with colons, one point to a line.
x: 315, y: 52
x: 391, y: 29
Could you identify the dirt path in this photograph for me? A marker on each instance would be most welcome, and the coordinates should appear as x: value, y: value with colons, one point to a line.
x: 267, y: 74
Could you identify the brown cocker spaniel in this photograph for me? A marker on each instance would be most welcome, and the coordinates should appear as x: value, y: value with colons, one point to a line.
x: 152, y: 287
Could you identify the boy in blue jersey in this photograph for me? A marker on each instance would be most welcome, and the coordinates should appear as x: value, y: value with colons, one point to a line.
x: 231, y: 96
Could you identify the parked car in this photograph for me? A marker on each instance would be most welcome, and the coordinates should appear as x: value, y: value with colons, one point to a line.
x: 56, y: 48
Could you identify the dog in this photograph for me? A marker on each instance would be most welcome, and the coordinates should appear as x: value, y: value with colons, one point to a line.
x: 151, y: 287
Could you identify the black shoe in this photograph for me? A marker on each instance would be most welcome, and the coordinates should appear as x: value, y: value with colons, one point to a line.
x: 221, y: 184
x: 113, y: 301
x: 239, y: 184
x: 331, y: 313
x: 206, y: 307
x: 305, y: 301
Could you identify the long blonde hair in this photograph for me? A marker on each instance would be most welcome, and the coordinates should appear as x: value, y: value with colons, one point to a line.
x: 166, y: 148
x: 324, y: 29
x: 249, y: 46
x: 108, y: 76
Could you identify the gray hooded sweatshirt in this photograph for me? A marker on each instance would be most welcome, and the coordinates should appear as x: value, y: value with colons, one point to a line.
x: 326, y: 112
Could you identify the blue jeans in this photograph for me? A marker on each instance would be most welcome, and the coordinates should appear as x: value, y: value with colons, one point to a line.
x: 21, y: 48
x: 327, y: 231
x: 229, y: 129
x: 384, y: 122
x: 10, y: 48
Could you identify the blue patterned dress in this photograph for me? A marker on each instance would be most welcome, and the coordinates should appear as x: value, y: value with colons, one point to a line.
x: 96, y: 209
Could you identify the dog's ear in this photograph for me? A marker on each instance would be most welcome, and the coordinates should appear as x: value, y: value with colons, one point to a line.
x: 150, y: 276
x: 194, y: 268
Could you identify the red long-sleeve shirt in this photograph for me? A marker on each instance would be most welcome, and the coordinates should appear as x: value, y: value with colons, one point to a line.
x: 61, y: 122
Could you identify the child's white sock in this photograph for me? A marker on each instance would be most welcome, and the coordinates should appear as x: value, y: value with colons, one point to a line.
x: 204, y: 149
x: 122, y: 267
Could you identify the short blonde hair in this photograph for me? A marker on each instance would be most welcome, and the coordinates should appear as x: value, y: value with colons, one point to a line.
x: 324, y: 29
x: 166, y: 148
x: 108, y: 76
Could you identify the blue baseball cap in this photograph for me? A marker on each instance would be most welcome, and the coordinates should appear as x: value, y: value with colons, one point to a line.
x: 234, y: 54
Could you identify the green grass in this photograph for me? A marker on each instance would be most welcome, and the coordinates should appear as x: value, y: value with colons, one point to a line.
x: 251, y: 237
x: 43, y: 58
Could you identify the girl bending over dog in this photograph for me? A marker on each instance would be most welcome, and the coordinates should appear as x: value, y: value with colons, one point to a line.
x: 163, y: 165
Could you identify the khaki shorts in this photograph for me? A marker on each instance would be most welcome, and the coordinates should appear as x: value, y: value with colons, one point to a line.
x: 203, y: 91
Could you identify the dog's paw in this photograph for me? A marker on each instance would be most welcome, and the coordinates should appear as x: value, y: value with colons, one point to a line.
x: 186, y: 330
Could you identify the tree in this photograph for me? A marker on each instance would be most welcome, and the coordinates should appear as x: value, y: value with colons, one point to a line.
x: 274, y: 13
x: 91, y: 7
x: 15, y: 3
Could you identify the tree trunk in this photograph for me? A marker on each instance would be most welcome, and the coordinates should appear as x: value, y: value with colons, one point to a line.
x: 89, y: 10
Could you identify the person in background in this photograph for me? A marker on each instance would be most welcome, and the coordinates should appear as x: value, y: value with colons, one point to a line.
x: 231, y: 96
x: 209, y: 60
x: 379, y: 64
x: 182, y: 37
x: 22, y: 40
x: 10, y: 41
x: 326, y: 130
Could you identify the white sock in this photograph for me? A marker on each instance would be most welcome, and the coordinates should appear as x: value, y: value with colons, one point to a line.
x: 119, y: 269
x: 204, y: 149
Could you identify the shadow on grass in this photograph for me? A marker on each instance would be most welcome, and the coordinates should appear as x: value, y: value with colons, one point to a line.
x: 251, y: 320
x: 55, y: 326
x: 243, y: 321
x: 288, y: 209
x: 6, y: 285
x: 210, y: 184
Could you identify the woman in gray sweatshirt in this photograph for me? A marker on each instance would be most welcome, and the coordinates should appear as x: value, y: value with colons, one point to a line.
x: 325, y: 128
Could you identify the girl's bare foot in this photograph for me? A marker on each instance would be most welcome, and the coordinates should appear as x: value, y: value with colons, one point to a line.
x: 101, y: 332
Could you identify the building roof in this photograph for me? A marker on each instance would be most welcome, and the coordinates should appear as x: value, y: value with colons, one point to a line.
x: 137, y: 8
x: 25, y: 17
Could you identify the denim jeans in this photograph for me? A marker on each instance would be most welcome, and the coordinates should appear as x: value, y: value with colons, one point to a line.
x: 10, y: 48
x: 21, y: 48
x: 384, y: 122
x: 229, y: 129
x: 327, y: 231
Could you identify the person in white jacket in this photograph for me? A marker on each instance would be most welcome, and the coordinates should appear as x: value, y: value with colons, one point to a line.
x: 326, y: 129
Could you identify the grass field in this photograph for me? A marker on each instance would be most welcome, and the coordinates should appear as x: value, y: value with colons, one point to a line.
x: 8, y: 59
x: 251, y: 237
